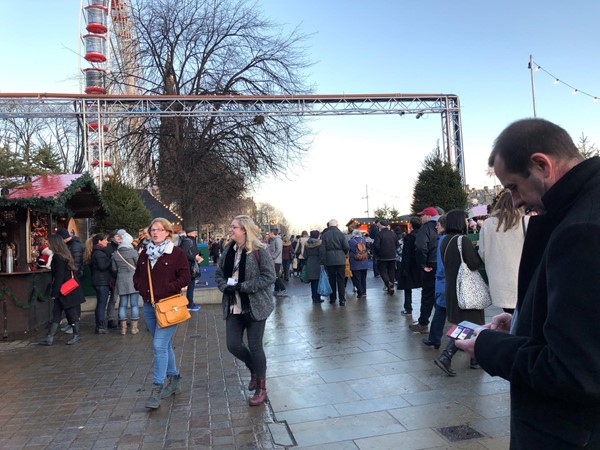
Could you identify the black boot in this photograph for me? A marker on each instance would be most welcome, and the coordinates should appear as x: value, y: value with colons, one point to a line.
x: 445, y: 359
x: 76, y: 336
x: 49, y: 340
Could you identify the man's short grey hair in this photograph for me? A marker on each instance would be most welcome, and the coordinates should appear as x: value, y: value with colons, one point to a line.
x: 332, y: 223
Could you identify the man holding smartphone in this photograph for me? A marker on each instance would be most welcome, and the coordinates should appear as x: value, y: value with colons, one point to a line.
x: 549, y: 349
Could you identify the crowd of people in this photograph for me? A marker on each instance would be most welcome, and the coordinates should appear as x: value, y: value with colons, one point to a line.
x: 542, y: 273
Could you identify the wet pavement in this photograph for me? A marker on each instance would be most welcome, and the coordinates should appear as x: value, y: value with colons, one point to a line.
x: 350, y: 377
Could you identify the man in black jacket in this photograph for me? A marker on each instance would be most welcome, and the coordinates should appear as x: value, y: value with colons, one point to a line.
x: 76, y: 249
x: 373, y: 233
x: 385, y: 248
x: 426, y: 255
x: 189, y: 247
x: 549, y: 348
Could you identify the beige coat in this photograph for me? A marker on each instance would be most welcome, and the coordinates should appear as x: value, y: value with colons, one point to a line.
x: 501, y: 253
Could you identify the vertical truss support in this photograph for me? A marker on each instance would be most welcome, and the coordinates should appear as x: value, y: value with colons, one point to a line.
x: 452, y: 135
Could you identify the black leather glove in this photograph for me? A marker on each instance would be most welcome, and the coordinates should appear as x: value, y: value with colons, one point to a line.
x: 230, y: 289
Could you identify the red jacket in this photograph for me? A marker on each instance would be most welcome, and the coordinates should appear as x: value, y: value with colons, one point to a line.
x: 170, y: 274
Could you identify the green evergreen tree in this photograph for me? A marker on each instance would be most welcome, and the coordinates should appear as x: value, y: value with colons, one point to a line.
x: 587, y: 149
x: 126, y: 209
x: 438, y: 184
x: 11, y: 168
x: 388, y: 213
x: 45, y: 160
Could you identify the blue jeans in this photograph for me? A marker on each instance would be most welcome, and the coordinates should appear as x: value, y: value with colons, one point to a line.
x: 164, y: 356
x: 190, y: 291
x: 436, y: 329
x: 102, y: 293
x: 131, y: 299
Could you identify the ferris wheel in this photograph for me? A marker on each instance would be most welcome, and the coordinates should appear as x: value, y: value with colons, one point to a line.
x: 107, y: 66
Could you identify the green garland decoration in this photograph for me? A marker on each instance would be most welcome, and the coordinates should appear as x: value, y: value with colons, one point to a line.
x: 38, y: 295
x: 5, y: 290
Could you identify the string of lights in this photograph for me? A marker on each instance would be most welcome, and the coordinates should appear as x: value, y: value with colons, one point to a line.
x: 557, y: 80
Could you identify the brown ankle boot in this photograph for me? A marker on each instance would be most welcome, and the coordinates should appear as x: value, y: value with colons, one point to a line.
x: 260, y: 394
x: 253, y: 383
x: 134, y: 327
x: 123, y: 327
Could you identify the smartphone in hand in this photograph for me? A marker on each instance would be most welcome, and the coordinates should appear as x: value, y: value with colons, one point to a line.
x: 463, y: 330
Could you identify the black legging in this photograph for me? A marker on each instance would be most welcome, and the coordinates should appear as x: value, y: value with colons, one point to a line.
x: 72, y: 314
x: 253, y: 355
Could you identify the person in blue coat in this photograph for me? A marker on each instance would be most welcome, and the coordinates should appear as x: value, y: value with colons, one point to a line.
x: 358, y: 267
x: 436, y: 329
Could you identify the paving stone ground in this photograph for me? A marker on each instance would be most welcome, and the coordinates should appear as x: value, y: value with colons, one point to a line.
x: 350, y: 377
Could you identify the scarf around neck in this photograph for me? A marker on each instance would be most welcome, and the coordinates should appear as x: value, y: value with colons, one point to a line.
x: 155, y: 251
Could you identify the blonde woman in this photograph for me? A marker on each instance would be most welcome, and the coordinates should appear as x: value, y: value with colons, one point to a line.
x: 245, y: 274
x: 500, y: 245
x: 170, y: 273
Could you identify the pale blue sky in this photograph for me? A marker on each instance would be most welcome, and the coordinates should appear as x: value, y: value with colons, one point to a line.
x: 476, y: 50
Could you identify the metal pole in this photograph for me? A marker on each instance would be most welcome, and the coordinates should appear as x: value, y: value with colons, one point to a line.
x: 532, y: 69
x: 367, y: 197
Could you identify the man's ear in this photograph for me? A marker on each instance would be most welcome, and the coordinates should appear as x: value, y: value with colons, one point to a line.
x: 542, y: 162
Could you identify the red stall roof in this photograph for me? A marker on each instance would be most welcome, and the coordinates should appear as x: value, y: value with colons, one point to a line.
x: 44, y: 186
x: 73, y: 195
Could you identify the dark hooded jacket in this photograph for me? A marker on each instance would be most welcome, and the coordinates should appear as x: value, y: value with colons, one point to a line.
x: 312, y: 258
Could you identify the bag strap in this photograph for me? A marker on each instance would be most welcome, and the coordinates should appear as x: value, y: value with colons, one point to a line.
x: 524, y: 226
x: 446, y: 251
x: 459, y: 244
x: 150, y: 284
x: 124, y: 260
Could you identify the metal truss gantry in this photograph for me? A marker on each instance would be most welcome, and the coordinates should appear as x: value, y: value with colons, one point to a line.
x: 106, y: 107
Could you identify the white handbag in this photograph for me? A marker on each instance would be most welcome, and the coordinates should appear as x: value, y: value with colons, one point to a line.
x: 471, y: 290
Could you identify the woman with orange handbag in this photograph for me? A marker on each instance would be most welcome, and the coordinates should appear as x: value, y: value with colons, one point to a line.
x: 170, y: 273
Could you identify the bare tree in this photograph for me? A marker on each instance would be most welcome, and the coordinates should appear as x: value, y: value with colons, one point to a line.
x: 202, y: 47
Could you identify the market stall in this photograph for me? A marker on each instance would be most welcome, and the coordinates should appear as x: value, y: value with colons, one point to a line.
x: 28, y: 214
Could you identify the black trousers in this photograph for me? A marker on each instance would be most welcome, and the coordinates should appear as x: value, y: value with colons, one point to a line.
x: 427, y: 296
x: 387, y: 270
x: 252, y: 355
x: 360, y: 281
x: 337, y: 276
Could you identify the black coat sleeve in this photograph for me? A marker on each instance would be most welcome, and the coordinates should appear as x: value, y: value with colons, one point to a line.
x: 59, y: 275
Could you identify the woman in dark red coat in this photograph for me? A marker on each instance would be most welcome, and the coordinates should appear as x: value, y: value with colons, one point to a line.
x: 170, y: 273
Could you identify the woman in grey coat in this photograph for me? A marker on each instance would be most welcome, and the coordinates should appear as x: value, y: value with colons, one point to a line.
x: 245, y: 274
x: 124, y: 261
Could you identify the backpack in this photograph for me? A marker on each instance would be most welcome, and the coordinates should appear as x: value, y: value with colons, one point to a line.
x: 361, y: 251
